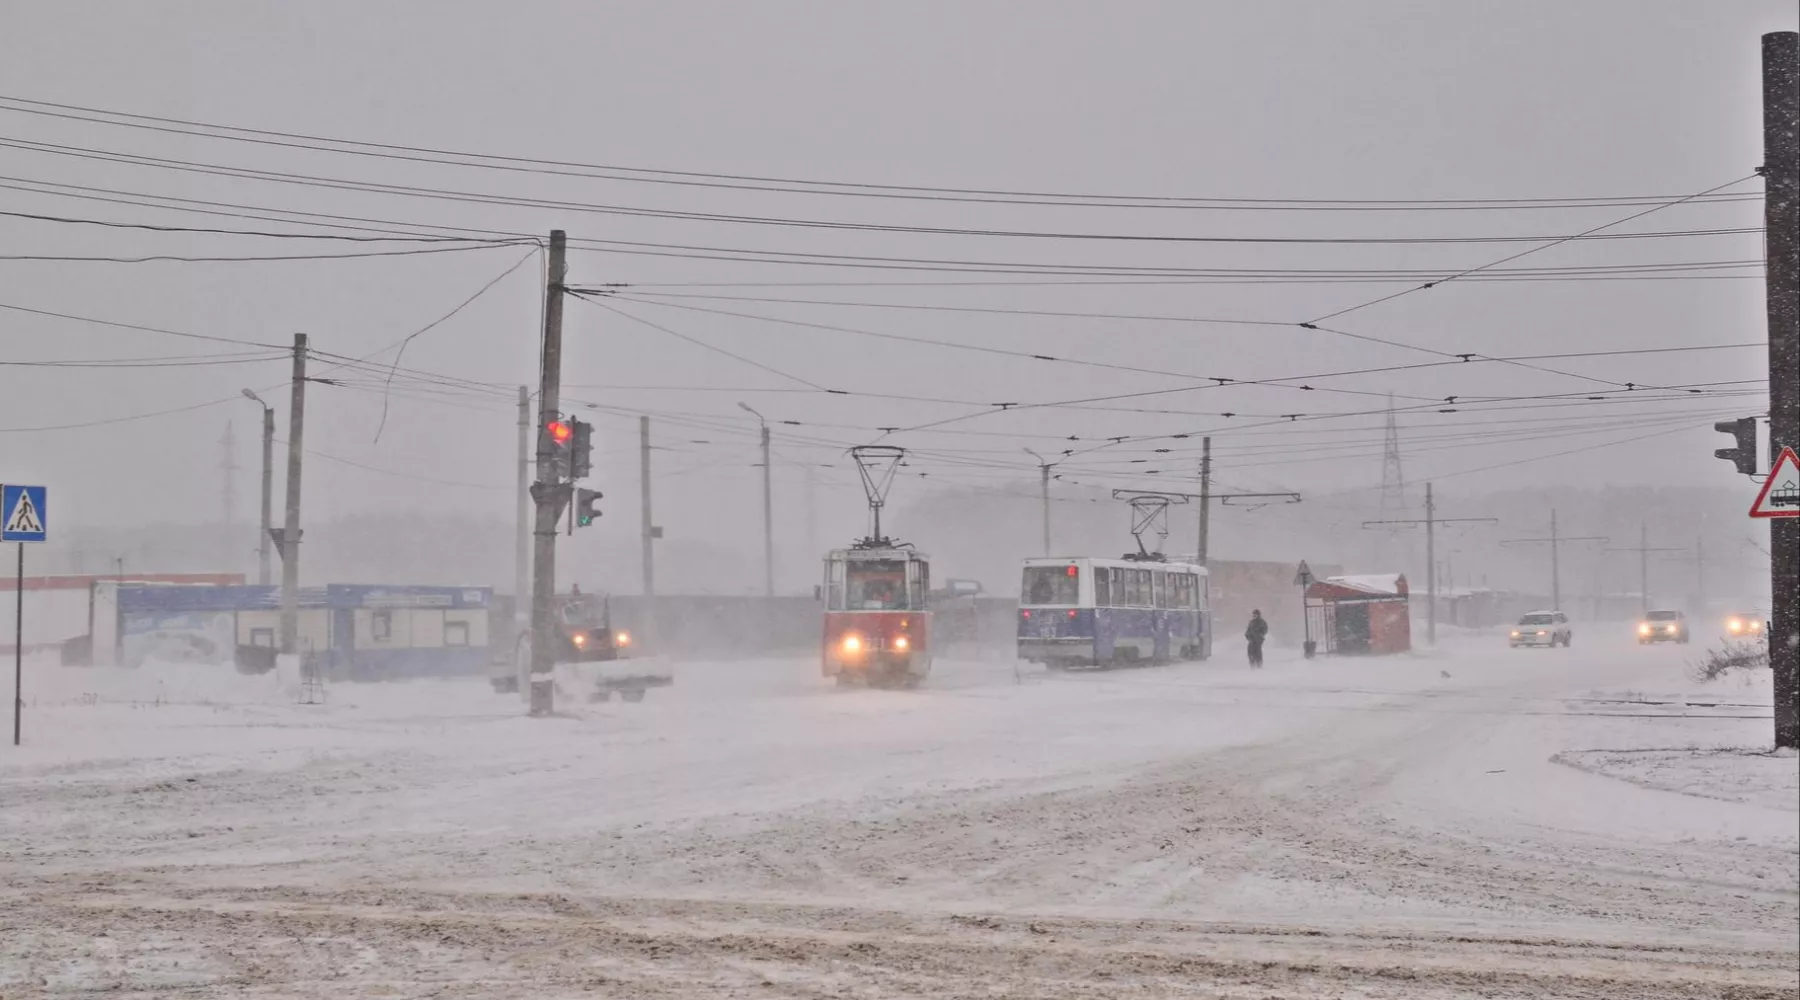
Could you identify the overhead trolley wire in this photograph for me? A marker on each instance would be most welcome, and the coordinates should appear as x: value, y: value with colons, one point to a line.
x: 628, y: 211
x: 738, y: 181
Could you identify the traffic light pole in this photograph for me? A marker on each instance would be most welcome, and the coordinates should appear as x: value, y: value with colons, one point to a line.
x: 548, y: 490
x: 1781, y: 240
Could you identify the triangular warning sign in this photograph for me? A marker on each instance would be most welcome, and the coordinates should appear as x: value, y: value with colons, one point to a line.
x: 1780, y: 496
x: 24, y: 519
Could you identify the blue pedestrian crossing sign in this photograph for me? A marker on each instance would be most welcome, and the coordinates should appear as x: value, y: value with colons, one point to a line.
x: 22, y: 513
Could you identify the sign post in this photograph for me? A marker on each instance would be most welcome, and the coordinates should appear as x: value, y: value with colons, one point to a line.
x: 22, y: 518
x: 1304, y: 579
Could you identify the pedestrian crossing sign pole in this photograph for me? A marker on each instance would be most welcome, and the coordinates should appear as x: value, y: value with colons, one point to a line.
x: 23, y: 511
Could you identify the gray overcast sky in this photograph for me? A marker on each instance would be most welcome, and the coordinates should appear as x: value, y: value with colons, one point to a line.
x: 1367, y: 100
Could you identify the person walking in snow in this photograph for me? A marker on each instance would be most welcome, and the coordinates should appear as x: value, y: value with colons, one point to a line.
x: 1257, y: 631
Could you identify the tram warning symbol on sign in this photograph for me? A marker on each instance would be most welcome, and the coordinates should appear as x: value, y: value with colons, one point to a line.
x: 1780, y: 496
x: 23, y: 507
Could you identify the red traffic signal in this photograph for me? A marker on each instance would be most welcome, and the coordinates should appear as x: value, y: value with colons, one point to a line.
x: 560, y: 431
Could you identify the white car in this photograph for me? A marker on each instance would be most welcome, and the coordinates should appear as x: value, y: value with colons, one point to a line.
x: 1542, y: 628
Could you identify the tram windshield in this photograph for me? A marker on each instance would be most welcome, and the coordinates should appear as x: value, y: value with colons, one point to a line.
x: 1056, y: 585
x: 877, y: 585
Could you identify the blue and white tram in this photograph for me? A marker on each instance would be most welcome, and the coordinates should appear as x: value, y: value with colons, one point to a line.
x: 1102, y: 612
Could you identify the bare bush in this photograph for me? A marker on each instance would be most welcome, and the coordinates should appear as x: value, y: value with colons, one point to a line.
x: 1732, y: 656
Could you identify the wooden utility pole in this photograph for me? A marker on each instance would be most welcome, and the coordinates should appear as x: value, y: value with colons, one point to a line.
x: 290, y: 530
x: 1781, y: 242
x: 550, y: 493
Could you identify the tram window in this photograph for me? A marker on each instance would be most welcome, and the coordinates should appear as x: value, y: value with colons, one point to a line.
x: 1059, y: 585
x: 1140, y: 588
x: 1102, y: 587
x: 1159, y: 587
x: 834, y: 586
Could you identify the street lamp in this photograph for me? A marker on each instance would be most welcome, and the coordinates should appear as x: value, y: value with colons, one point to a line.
x: 768, y: 508
x: 268, y: 465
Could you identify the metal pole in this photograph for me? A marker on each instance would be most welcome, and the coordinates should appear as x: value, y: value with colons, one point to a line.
x: 1201, y: 552
x: 1644, y: 565
x: 290, y: 532
x: 1430, y: 567
x: 228, y: 498
x: 19, y: 645
x: 1555, y: 565
x: 649, y: 522
x: 543, y: 556
x: 1700, y: 571
x: 268, y: 495
x: 768, y: 517
x: 522, y: 522
x: 1781, y: 241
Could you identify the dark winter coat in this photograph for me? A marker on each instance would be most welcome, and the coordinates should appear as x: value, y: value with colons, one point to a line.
x: 1259, y: 628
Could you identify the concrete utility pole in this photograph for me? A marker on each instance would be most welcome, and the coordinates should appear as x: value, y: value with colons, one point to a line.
x: 1431, y: 521
x: 290, y: 531
x: 1781, y: 243
x: 268, y: 487
x: 1555, y: 542
x: 649, y: 522
x: 768, y: 504
x: 1643, y: 550
x: 1043, y: 494
x: 522, y: 522
x: 228, y: 497
x: 1201, y: 550
x: 550, y: 493
x: 647, y: 623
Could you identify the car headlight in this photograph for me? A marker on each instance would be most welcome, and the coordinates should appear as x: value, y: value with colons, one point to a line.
x: 580, y: 639
x: 1540, y: 632
x: 1643, y: 630
x: 902, y: 644
x: 1515, y: 633
x: 623, y: 638
x: 853, y: 644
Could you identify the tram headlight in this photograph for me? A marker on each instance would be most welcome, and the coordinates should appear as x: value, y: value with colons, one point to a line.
x: 580, y: 639
x: 853, y: 644
x: 623, y: 638
x: 902, y: 644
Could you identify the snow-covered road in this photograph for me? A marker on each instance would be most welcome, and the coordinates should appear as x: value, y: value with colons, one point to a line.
x: 1476, y: 822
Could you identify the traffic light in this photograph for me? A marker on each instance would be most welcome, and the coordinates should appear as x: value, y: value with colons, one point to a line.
x: 584, y: 507
x: 1744, y: 455
x: 559, y: 433
x: 581, y: 449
